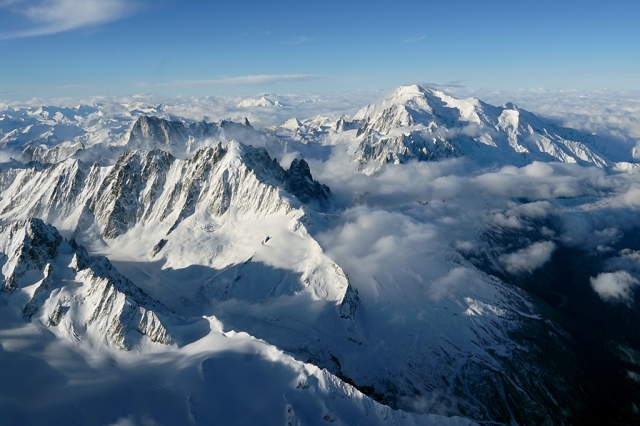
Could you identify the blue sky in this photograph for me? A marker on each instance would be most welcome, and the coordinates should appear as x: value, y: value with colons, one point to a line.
x: 78, y: 48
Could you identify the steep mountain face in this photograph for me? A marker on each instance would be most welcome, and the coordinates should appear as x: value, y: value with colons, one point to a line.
x: 106, y: 304
x: 50, y: 155
x: 300, y: 183
x: 148, y: 131
x: 153, y: 186
x: 26, y: 247
x: 150, y: 204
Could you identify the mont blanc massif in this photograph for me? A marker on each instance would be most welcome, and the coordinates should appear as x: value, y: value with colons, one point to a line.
x: 427, y: 261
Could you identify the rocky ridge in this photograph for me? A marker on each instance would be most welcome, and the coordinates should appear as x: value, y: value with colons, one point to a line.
x: 104, y: 301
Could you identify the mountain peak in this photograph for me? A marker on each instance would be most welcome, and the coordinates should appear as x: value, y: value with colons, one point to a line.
x: 260, y: 102
x: 149, y: 130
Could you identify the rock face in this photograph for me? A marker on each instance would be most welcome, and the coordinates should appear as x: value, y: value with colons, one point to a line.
x: 178, y: 138
x: 120, y: 202
x: 105, y: 304
x: 119, y: 307
x: 149, y: 131
x: 403, y: 148
x: 52, y: 155
x: 27, y: 246
x: 299, y: 182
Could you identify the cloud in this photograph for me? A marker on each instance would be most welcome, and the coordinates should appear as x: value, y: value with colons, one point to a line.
x: 615, y: 286
x: 135, y: 421
x: 246, y: 80
x: 536, y: 209
x: 75, y: 86
x: 413, y: 39
x: 528, y: 259
x: 379, y: 248
x: 124, y: 421
x: 300, y: 40
x: 56, y: 16
x: 449, y: 85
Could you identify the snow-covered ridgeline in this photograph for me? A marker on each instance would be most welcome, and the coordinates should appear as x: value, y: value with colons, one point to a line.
x: 68, y: 288
x: 424, y: 124
x: 153, y: 193
x: 145, y: 187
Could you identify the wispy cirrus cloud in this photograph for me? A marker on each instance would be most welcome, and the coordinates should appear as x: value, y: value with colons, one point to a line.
x: 75, y: 86
x: 413, y: 39
x: 300, y: 40
x: 246, y: 80
x: 448, y: 85
x: 45, y: 17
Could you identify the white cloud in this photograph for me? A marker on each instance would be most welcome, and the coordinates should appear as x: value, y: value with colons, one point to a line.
x: 300, y: 40
x: 124, y: 421
x: 413, y: 39
x: 379, y: 248
x: 246, y: 80
x: 55, y: 16
x: 535, y: 210
x: 528, y: 259
x: 615, y: 286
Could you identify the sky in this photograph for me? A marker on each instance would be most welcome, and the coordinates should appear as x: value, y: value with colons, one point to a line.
x: 80, y: 48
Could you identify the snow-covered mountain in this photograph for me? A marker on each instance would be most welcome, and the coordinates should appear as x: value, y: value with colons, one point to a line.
x: 260, y: 102
x: 426, y: 124
x: 423, y: 124
x: 406, y: 283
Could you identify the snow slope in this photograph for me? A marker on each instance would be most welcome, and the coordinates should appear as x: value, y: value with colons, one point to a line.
x: 183, y: 371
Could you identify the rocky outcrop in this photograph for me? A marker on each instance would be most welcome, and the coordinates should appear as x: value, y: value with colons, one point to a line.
x: 28, y: 246
x: 150, y: 132
x: 130, y: 191
x: 106, y: 303
x: 299, y: 182
x: 403, y: 148
x: 52, y: 155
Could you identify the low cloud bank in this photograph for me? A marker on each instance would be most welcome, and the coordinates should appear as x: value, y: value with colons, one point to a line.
x: 528, y: 259
x: 615, y: 286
